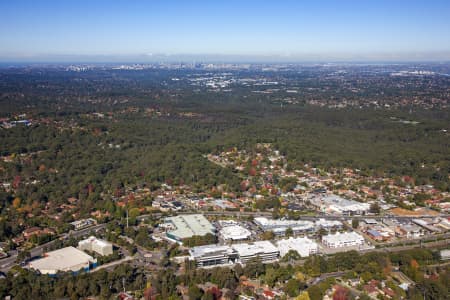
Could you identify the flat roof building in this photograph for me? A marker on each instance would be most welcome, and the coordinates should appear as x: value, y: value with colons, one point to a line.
x: 96, y: 245
x: 67, y: 259
x: 224, y: 223
x: 235, y: 233
x: 345, y: 239
x: 409, y: 231
x: 336, y: 204
x: 279, y: 226
x: 304, y: 246
x: 375, y: 234
x: 187, y: 226
x: 425, y: 224
x: 263, y: 250
x: 328, y: 224
x: 80, y: 224
x: 370, y: 221
x: 212, y: 255
x: 445, y: 254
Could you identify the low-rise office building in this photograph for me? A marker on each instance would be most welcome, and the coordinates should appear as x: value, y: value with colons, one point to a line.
x: 345, y: 239
x: 328, y: 224
x: 263, y: 250
x: 212, y: 255
x: 445, y: 254
x: 279, y: 227
x: 334, y: 204
x: 304, y: 246
x: 96, y: 245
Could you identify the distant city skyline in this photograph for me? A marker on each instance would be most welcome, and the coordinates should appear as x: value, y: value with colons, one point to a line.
x: 278, y: 31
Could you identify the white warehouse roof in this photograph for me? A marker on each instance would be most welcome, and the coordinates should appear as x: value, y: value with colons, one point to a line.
x: 328, y: 223
x: 200, y: 251
x: 270, y: 223
x: 250, y: 249
x: 304, y: 246
x: 343, y: 239
x: 341, y: 205
x: 96, y: 241
x: 65, y: 259
x: 235, y: 232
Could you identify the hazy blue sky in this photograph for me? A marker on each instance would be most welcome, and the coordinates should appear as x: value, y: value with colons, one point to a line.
x: 377, y: 29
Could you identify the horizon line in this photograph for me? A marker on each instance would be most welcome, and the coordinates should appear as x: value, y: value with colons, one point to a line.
x: 435, y: 56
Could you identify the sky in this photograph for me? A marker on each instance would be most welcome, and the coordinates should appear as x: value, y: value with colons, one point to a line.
x: 64, y: 30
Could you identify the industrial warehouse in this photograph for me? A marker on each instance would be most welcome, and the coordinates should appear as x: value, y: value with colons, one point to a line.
x: 333, y: 204
x: 186, y: 226
x: 67, y: 259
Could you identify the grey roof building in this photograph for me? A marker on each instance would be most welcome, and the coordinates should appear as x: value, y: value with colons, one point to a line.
x: 186, y: 226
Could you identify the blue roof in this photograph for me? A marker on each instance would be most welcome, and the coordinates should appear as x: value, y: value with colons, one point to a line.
x: 374, y: 232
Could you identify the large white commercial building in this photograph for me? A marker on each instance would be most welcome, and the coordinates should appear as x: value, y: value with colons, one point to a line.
x: 67, y: 259
x: 187, y: 226
x: 345, y: 239
x: 96, y: 245
x: 279, y: 226
x: 328, y: 224
x: 304, y: 246
x: 212, y: 255
x: 338, y: 205
x: 235, y: 233
x: 445, y: 254
x: 263, y: 250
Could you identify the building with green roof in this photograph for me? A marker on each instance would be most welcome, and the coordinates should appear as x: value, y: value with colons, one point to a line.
x: 187, y: 226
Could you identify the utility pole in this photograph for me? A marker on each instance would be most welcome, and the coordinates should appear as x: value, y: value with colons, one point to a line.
x: 123, y: 284
x: 127, y: 217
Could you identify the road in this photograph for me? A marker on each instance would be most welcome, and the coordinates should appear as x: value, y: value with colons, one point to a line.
x: 443, y: 264
x: 402, y: 277
x: 269, y: 214
x: 322, y: 277
x: 408, y: 247
x: 424, y: 239
x: 112, y: 264
x: 86, y: 231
